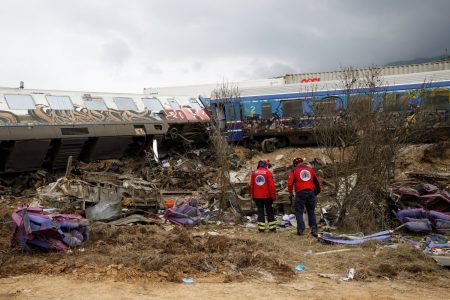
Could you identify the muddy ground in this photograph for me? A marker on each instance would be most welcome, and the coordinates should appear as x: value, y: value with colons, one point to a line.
x: 225, y: 261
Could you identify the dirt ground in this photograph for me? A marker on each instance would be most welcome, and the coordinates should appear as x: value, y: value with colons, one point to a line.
x: 303, y: 287
x: 142, y: 261
x: 225, y: 261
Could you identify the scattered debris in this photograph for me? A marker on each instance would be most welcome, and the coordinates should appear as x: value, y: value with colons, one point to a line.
x: 351, y: 274
x: 442, y: 260
x: 133, y: 219
x: 172, y: 253
x: 105, y: 210
x: 188, y: 280
x: 100, y: 187
x: 36, y: 229
x: 354, y: 239
x: 426, y: 196
x: 299, y: 268
x: 337, y: 251
x: 186, y: 213
x: 420, y: 220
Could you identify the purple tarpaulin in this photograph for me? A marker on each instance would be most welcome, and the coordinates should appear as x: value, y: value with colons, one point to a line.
x: 420, y: 220
x: 425, y: 196
x: 36, y: 229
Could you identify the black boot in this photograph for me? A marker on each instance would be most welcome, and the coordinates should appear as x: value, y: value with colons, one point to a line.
x: 314, y: 232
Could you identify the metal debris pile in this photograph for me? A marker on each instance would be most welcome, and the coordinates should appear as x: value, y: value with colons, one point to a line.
x: 99, y: 187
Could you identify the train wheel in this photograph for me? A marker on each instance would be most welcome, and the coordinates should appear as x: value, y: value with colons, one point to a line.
x: 269, y: 145
x: 173, y: 132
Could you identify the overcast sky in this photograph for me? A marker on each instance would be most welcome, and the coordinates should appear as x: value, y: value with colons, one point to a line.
x: 126, y: 45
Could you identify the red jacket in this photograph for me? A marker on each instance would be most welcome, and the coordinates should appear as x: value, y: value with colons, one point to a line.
x: 302, y: 178
x: 262, y: 185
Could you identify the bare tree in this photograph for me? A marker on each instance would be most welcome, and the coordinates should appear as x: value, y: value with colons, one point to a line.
x: 223, y: 151
x: 361, y: 144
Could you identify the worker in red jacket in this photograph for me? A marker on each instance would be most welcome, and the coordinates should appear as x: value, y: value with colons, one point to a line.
x: 304, y: 181
x: 262, y: 188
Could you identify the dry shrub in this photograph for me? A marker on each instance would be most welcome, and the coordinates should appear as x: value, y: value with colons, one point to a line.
x: 404, y: 262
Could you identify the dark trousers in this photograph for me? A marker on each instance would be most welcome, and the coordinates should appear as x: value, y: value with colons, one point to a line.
x: 266, y: 204
x: 305, y: 199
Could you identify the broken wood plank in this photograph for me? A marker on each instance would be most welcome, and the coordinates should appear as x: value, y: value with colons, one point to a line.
x: 337, y: 251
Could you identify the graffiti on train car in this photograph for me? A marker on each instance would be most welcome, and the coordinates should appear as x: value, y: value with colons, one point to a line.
x: 185, y: 113
x: 43, y: 114
x: 194, y: 114
x: 8, y: 117
x: 276, y: 125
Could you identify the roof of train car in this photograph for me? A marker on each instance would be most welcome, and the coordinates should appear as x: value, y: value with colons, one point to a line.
x: 182, y: 100
x: 440, y: 65
x: 40, y: 91
x: 391, y: 83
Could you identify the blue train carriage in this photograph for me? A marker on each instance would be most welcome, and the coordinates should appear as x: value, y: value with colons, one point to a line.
x: 273, y: 117
x: 41, y: 128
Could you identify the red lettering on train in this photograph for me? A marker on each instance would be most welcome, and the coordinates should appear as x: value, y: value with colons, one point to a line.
x: 315, y: 79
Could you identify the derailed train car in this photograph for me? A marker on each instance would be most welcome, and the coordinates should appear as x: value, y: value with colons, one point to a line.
x: 41, y: 128
x: 187, y: 119
x: 272, y: 117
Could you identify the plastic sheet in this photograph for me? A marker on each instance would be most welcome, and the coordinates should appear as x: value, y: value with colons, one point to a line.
x: 104, y: 210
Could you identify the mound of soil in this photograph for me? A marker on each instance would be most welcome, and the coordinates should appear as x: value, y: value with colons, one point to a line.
x: 148, y: 251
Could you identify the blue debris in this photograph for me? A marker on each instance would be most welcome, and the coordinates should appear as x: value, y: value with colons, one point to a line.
x: 299, y: 268
x: 188, y: 280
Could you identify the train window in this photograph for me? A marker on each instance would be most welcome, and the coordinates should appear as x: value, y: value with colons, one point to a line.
x: 125, y: 103
x: 60, y: 102
x: 20, y: 101
x: 360, y: 103
x: 395, y: 102
x: 174, y: 104
x: 194, y: 104
x: 326, y: 106
x: 436, y: 100
x: 266, y: 111
x: 95, y: 104
x: 153, y: 104
x: 292, y: 108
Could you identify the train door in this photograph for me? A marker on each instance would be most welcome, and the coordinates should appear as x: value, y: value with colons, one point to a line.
x: 233, y: 123
x: 219, y: 110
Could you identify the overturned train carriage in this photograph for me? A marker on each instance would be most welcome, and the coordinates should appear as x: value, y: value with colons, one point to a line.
x: 41, y: 129
x: 187, y: 119
x: 272, y: 117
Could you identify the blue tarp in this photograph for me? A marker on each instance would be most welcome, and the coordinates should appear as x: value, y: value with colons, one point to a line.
x: 346, y: 239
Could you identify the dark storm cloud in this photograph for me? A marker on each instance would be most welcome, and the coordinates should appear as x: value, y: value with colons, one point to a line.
x: 126, y: 45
